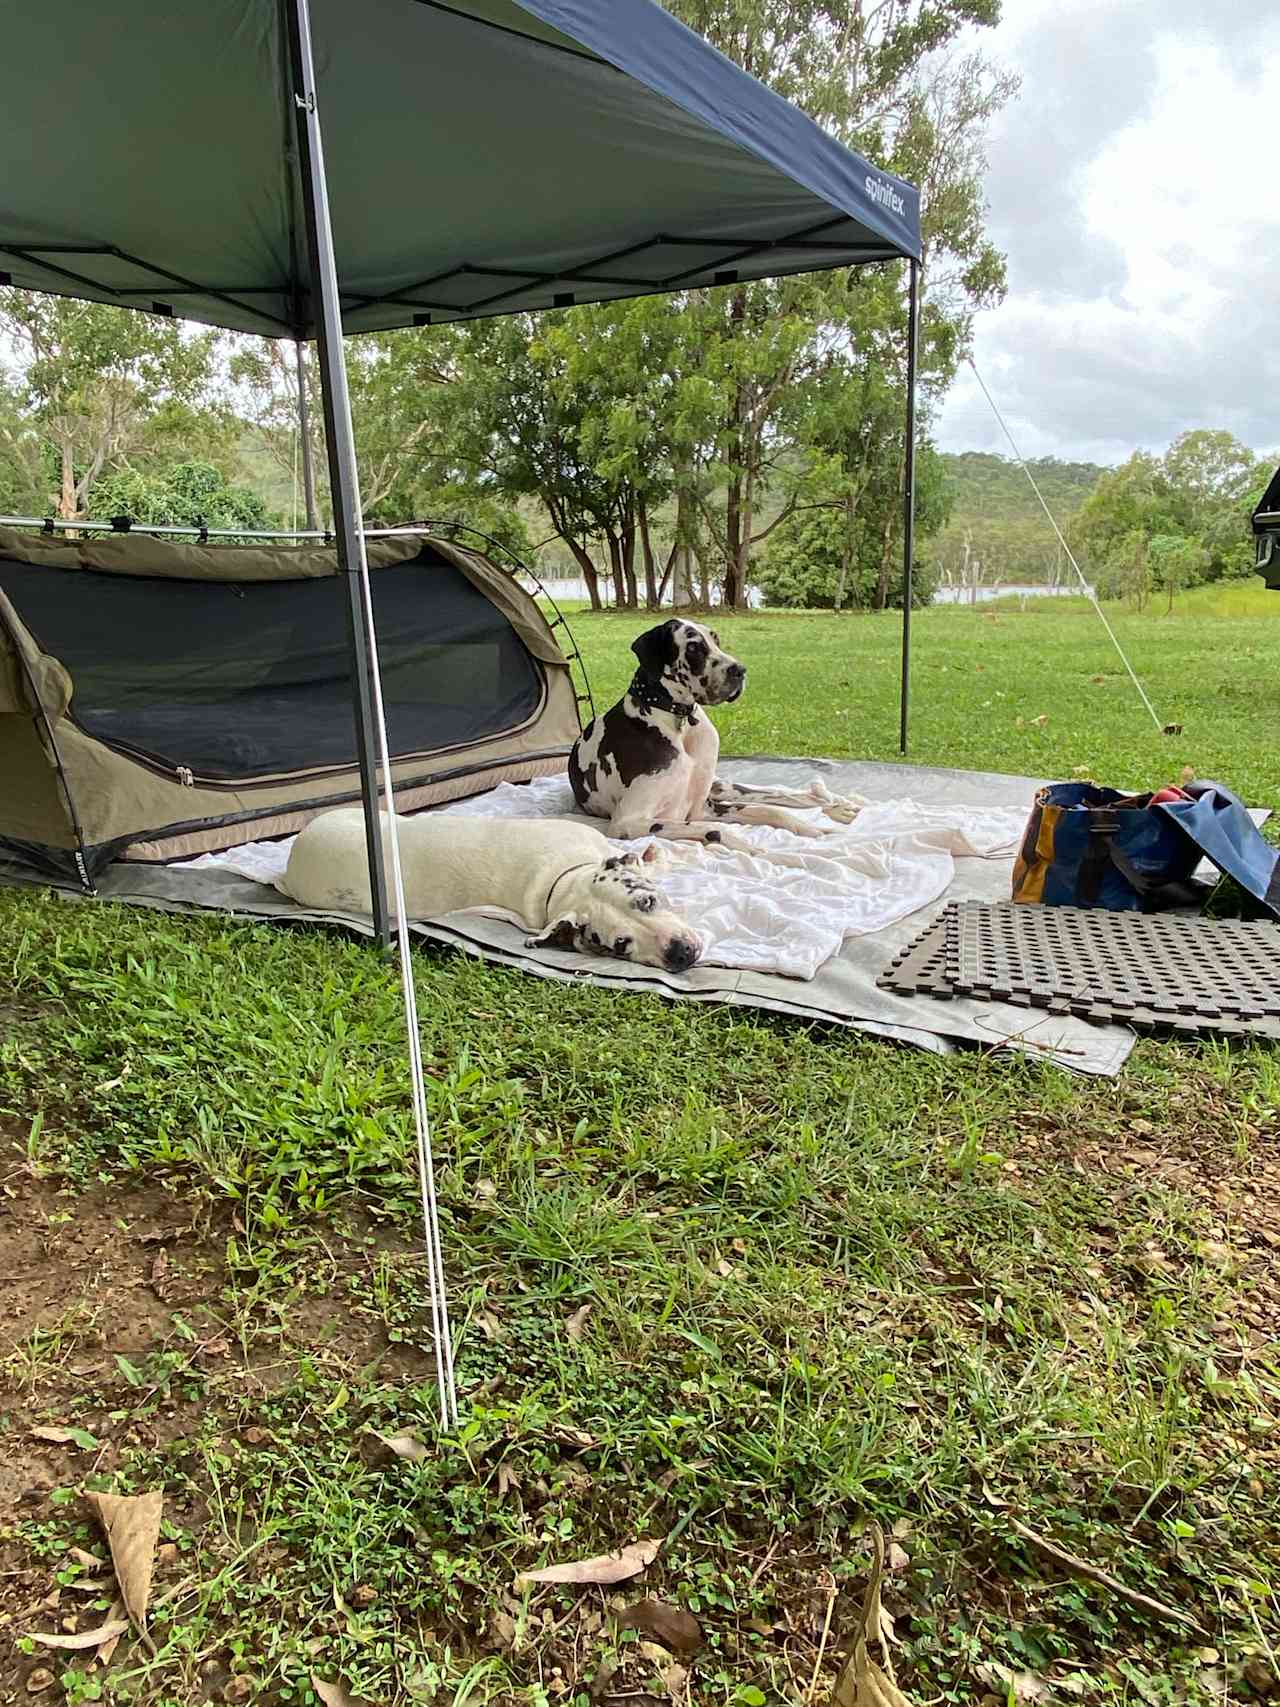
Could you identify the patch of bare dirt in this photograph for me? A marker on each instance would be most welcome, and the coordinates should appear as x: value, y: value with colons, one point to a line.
x: 88, y: 1280
x: 1227, y: 1169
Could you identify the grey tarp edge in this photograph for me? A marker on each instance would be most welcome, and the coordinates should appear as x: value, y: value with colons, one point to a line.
x: 475, y: 166
x: 844, y: 993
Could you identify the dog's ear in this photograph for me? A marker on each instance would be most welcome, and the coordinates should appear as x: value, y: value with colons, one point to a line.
x: 564, y: 933
x: 656, y: 648
x: 654, y: 854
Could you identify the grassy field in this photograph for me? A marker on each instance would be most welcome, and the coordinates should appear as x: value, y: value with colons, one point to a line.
x: 719, y: 1280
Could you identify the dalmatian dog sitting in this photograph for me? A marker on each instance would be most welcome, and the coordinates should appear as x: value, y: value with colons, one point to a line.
x: 559, y: 877
x: 649, y: 764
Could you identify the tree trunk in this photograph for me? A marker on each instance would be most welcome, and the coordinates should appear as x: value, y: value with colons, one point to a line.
x: 590, y: 574
x: 732, y: 540
x: 629, y: 555
x: 68, y: 509
x: 305, y: 445
x: 704, y: 573
x: 886, y: 547
x: 742, y: 564
x: 682, y: 593
x: 615, y: 570
x: 846, y: 555
x: 652, y: 591
x: 734, y: 533
x: 886, y: 558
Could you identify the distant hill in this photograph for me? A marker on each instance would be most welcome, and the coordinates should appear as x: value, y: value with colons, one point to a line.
x: 996, y: 489
x: 997, y: 533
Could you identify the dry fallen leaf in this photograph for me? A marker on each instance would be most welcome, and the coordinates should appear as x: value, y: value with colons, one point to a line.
x: 676, y: 1680
x: 896, y: 1557
x: 507, y: 1479
x: 66, y: 1437
x: 90, y: 1561
x: 406, y: 1445
x: 82, y: 1638
x: 675, y: 1628
x: 576, y: 1324
x: 40, y: 1679
x: 606, y: 1568
x: 575, y: 1437
x: 106, y: 1653
x: 862, y: 1682
x: 502, y: 1628
x: 1025, y: 1686
x: 160, y: 1273
x: 333, y: 1694
x: 131, y: 1524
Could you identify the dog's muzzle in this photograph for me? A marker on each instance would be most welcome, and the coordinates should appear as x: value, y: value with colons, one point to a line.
x: 680, y: 954
x: 735, y: 679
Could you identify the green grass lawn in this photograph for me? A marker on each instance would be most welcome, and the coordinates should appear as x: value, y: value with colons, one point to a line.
x: 718, y: 1279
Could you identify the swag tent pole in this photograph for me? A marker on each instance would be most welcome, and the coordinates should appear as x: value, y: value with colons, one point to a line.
x: 909, y: 498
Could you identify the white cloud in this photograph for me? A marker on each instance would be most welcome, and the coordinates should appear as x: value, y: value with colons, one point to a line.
x: 1131, y: 187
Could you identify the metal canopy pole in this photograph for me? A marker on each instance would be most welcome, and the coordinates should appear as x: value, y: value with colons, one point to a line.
x: 909, y: 497
x: 344, y: 481
x: 304, y: 441
x: 370, y: 709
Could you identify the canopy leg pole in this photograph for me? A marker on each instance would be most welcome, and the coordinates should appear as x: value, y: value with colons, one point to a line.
x: 909, y: 498
x: 344, y: 480
x: 304, y: 442
x: 370, y: 710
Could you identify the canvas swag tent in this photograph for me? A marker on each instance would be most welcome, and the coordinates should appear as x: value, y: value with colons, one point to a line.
x: 161, y: 700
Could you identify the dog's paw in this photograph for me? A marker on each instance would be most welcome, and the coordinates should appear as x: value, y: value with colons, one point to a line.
x: 842, y: 811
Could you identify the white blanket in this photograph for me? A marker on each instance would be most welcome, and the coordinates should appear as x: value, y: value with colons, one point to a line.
x: 757, y: 914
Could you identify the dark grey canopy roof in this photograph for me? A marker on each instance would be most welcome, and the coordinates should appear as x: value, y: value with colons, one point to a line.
x: 483, y: 156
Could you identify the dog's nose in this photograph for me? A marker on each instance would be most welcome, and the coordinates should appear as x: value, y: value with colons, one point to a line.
x: 679, y: 954
x: 736, y: 673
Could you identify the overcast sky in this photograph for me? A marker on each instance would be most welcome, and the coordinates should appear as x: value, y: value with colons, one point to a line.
x: 1132, y: 186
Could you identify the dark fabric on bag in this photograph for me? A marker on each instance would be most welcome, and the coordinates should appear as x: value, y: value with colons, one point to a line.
x: 1086, y: 846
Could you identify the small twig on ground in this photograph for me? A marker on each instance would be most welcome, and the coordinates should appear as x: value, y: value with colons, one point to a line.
x: 1095, y: 1573
x: 822, y: 1645
x: 763, y: 1566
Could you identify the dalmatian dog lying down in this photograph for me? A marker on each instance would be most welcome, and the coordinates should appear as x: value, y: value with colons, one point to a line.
x: 559, y: 878
x: 649, y: 764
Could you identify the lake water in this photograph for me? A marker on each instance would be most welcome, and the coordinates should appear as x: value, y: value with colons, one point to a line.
x: 570, y: 590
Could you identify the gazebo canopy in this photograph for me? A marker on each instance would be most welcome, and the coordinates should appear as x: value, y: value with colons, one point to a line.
x: 482, y: 157
x: 312, y: 167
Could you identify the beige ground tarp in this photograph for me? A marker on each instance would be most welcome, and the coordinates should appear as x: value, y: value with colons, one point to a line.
x: 844, y: 993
